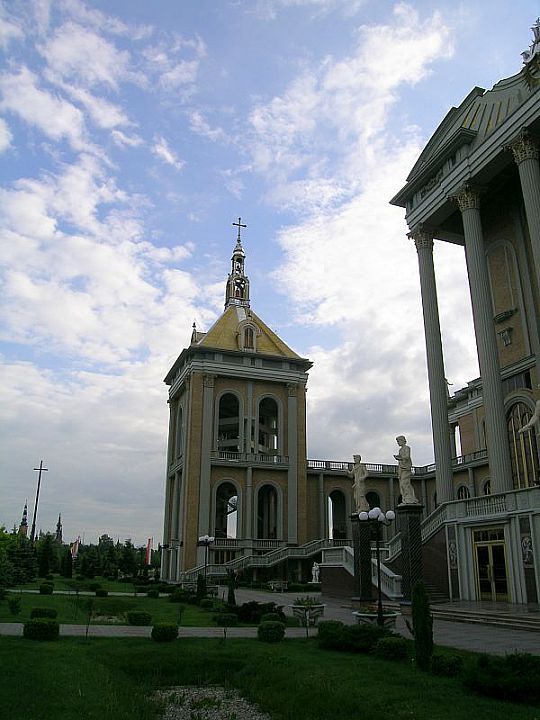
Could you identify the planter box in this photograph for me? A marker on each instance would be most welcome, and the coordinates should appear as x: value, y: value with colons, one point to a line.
x: 389, y: 617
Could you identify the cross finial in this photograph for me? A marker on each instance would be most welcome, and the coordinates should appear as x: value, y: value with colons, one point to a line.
x: 239, y: 225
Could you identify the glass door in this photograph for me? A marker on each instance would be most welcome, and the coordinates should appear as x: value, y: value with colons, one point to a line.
x: 491, y: 571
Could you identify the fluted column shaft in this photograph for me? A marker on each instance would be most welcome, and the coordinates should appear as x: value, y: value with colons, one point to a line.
x: 525, y: 151
x: 435, y: 366
x: 486, y: 342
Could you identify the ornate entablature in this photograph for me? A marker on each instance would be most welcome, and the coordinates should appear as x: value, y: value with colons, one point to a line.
x: 432, y: 183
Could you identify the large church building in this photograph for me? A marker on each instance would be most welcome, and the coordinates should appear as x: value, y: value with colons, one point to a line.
x: 237, y: 470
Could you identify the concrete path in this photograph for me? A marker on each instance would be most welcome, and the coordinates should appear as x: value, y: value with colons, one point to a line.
x: 477, y: 638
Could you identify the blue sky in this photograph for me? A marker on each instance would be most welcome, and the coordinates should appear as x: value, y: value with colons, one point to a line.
x: 132, y: 135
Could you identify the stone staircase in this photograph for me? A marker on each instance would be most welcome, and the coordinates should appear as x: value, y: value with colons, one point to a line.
x: 511, y: 618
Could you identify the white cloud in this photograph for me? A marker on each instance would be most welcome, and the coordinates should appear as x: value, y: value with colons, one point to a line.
x: 122, y: 139
x: 183, y: 73
x: 103, y: 113
x: 5, y: 136
x: 162, y: 150
x: 269, y: 9
x: 200, y: 126
x: 54, y: 116
x: 8, y: 31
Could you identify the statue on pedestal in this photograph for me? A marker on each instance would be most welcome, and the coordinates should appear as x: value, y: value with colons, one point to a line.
x: 359, y: 474
x: 404, y: 472
x: 315, y: 573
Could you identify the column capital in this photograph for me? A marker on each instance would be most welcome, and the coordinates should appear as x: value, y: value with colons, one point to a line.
x: 524, y: 147
x: 292, y: 389
x: 208, y: 380
x: 422, y: 236
x: 467, y: 198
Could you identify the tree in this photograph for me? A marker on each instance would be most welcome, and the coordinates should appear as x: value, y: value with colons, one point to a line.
x: 128, y: 562
x: 45, y: 553
x: 22, y: 555
x: 66, y: 566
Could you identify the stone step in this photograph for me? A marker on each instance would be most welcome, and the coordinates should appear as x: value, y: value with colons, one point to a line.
x: 516, y: 622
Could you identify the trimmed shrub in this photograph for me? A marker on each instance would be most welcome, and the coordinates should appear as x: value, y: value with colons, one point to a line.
x: 140, y: 589
x: 164, y: 632
x: 100, y: 592
x: 138, y: 617
x: 391, y: 648
x: 93, y: 586
x: 513, y: 677
x: 422, y: 627
x: 41, y: 629
x: 251, y: 612
x: 206, y: 604
x: 270, y: 617
x: 49, y: 576
x: 330, y: 634
x: 226, y: 620
x: 14, y: 605
x: 269, y: 631
x: 446, y: 665
x: 183, y: 596
x: 41, y: 612
x: 152, y: 594
x: 166, y: 588
x: 46, y: 588
x: 361, y: 638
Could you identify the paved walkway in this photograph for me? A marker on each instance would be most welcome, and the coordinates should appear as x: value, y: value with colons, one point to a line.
x: 477, y: 638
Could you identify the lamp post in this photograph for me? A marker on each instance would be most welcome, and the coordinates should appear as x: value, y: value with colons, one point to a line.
x: 205, y: 540
x: 376, y: 519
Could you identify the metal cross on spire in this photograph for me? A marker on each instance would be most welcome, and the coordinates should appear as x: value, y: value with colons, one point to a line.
x: 239, y: 225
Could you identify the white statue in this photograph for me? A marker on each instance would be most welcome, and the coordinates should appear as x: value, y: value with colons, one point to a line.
x: 404, y: 472
x: 315, y: 572
x: 359, y: 473
x: 534, y: 418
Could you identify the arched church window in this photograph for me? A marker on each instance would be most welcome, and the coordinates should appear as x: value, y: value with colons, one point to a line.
x: 226, y: 518
x: 229, y: 423
x: 179, y: 433
x: 523, y: 449
x: 249, y: 338
x: 267, y: 513
x: 463, y: 492
x: 268, y: 427
x: 487, y: 487
x: 337, y: 515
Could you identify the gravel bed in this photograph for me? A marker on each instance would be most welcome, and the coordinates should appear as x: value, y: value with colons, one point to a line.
x: 207, y: 703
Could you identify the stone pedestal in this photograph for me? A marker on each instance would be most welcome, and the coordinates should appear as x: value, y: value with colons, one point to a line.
x: 409, y: 524
x: 362, y: 559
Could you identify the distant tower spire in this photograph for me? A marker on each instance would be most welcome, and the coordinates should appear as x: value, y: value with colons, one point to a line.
x: 58, y: 537
x: 23, y: 527
x: 237, y: 290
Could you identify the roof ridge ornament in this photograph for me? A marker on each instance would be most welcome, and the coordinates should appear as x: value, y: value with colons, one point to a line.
x: 534, y: 47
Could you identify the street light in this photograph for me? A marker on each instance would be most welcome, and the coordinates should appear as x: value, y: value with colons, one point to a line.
x: 376, y: 519
x: 205, y: 540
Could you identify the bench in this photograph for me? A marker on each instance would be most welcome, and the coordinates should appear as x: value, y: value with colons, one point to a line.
x: 278, y: 585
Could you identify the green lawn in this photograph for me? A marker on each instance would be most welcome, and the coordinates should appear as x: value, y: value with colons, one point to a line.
x: 61, y: 583
x: 71, y: 609
x: 113, y: 679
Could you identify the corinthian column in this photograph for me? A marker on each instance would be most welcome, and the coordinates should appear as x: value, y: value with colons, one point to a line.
x: 423, y: 241
x: 486, y: 342
x: 525, y: 151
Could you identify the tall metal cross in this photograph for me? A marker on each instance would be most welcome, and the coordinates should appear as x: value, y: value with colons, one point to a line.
x: 239, y: 225
x: 40, y: 469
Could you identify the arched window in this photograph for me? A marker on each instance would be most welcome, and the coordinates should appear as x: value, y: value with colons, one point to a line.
x: 523, y: 450
x: 229, y: 423
x: 226, y: 518
x: 463, y: 492
x: 179, y: 433
x: 487, y: 487
x: 337, y: 515
x: 249, y: 338
x: 267, y: 513
x: 268, y: 427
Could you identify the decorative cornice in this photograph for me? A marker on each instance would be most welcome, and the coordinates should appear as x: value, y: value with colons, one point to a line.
x: 524, y: 147
x: 466, y: 198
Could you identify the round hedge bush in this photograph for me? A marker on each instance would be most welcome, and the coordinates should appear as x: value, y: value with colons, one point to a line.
x: 46, y: 588
x: 164, y: 632
x: 41, y: 612
x: 270, y: 631
x: 391, y: 648
x: 152, y: 594
x: 41, y: 629
x: 270, y: 617
x: 206, y: 604
x: 139, y: 617
x: 101, y: 592
x: 226, y: 620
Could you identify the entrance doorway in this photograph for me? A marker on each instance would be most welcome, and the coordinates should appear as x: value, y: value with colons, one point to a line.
x: 490, y: 561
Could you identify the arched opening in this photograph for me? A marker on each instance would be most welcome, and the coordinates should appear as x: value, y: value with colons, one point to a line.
x: 249, y: 339
x: 337, y: 516
x: 373, y: 500
x: 457, y: 440
x: 226, y: 519
x: 463, y: 492
x: 267, y: 513
x: 229, y: 423
x: 487, y: 487
x: 523, y: 450
x: 268, y: 427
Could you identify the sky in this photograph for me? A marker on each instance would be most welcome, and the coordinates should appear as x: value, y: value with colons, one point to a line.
x: 132, y: 135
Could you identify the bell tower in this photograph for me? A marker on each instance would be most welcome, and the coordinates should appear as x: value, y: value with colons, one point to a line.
x: 236, y: 465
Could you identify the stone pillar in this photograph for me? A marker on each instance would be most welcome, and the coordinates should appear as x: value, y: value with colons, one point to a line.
x: 362, y: 559
x: 486, y: 342
x: 248, y: 505
x: 409, y: 524
x: 323, y: 510
x: 292, y: 473
x: 423, y: 241
x: 525, y: 151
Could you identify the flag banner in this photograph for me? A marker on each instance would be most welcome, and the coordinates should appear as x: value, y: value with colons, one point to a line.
x: 74, y: 547
x: 148, y: 559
